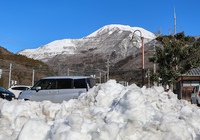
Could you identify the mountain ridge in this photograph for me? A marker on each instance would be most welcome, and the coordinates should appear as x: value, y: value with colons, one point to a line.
x: 112, y: 46
x: 109, y: 38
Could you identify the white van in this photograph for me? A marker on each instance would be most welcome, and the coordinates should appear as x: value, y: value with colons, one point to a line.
x: 58, y: 88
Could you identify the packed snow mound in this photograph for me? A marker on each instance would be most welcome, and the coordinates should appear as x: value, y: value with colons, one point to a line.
x: 108, y: 111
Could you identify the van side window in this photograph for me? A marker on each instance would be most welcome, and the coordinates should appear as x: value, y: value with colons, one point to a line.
x: 47, y: 84
x: 64, y: 83
x: 50, y: 85
x: 80, y: 83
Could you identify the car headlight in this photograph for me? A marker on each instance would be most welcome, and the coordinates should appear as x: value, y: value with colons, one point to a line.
x: 5, y: 94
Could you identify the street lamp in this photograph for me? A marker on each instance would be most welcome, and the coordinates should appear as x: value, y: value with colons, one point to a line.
x: 142, y: 38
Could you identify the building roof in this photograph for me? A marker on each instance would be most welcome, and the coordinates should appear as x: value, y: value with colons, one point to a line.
x: 193, y: 72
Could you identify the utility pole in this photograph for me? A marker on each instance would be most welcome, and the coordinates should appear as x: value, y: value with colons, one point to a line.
x: 108, y: 65
x: 100, y: 77
x: 142, y: 38
x: 154, y: 64
x: 67, y: 71
x: 148, y: 76
x: 10, y: 71
x: 59, y: 69
x: 0, y: 72
x: 33, y: 77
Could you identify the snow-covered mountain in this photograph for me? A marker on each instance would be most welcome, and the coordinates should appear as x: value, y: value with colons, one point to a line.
x: 110, y: 29
x: 114, y: 38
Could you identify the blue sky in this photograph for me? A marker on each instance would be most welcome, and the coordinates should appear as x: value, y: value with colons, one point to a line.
x: 26, y: 24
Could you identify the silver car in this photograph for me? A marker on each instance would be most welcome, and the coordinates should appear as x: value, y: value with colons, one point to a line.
x: 58, y: 88
x: 195, y: 95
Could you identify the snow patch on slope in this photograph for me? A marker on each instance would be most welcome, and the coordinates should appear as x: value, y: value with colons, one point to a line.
x: 65, y: 46
x: 112, y: 27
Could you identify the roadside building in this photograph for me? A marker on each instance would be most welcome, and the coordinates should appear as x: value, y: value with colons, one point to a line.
x: 186, y: 82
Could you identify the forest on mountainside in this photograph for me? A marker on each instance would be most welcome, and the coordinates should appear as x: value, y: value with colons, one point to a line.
x: 21, y: 69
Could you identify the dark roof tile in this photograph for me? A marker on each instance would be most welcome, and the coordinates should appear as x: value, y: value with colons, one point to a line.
x: 194, y: 72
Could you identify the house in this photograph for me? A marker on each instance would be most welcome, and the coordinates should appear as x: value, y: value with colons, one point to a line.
x: 186, y: 82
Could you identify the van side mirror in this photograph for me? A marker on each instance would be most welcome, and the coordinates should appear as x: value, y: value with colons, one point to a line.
x: 37, y: 89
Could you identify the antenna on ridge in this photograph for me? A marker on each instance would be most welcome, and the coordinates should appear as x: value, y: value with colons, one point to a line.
x: 174, y: 21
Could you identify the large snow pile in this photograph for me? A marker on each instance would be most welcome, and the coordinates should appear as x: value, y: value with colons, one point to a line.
x: 107, y: 112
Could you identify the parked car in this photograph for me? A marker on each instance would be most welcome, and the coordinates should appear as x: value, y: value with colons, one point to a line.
x: 16, y: 89
x: 6, y: 94
x: 58, y: 88
x: 195, y: 95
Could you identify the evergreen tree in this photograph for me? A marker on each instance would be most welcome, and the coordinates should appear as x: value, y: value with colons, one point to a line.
x: 177, y: 55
